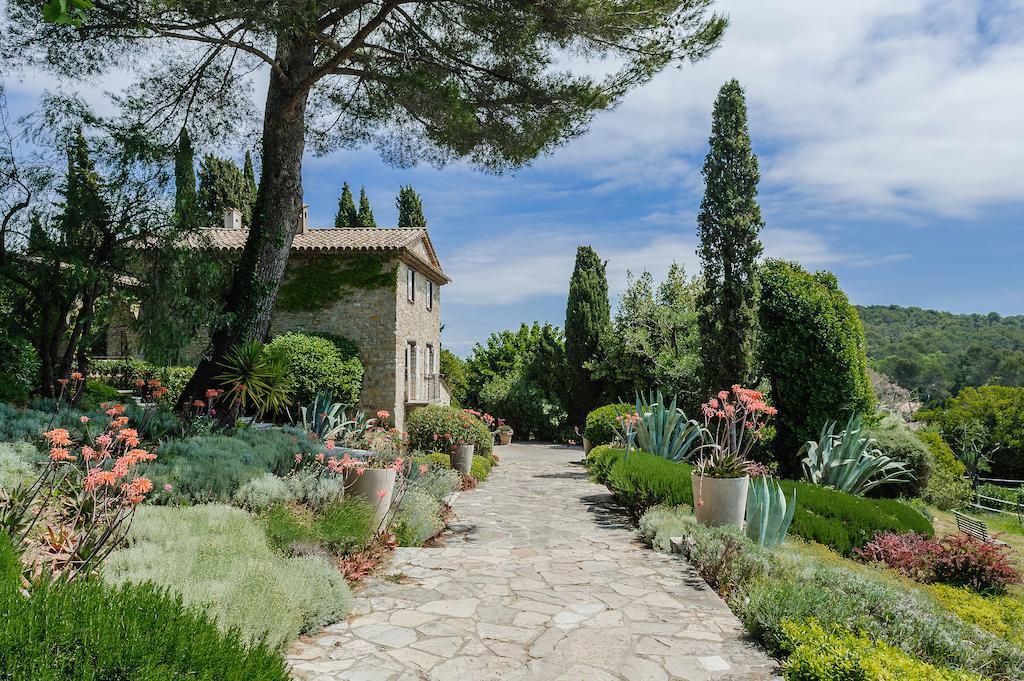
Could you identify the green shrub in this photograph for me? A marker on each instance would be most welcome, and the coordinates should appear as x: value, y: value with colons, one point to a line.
x: 174, y: 379
x: 262, y: 492
x: 836, y: 654
x: 316, y: 365
x: 439, y: 482
x: 811, y: 348
x: 660, y: 523
x: 17, y: 461
x: 524, y: 405
x: 947, y: 487
x: 902, y: 444
x: 600, y: 461
x: 418, y: 519
x: 218, y: 558
x: 19, y: 369
x: 120, y: 373
x: 481, y: 467
x: 17, y: 423
x: 601, y: 425
x: 428, y: 425
x: 838, y: 520
x: 339, y: 528
x: 97, y: 392
x: 309, y: 487
x: 999, y: 410
x: 1000, y: 615
x: 88, y: 630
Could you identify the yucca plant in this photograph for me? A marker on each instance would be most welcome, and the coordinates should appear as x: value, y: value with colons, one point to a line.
x: 255, y: 378
x: 850, y: 462
x: 769, y: 515
x: 665, y: 431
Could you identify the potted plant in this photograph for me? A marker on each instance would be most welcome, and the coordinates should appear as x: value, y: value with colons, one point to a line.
x: 373, y: 480
x: 733, y: 422
x: 505, y: 432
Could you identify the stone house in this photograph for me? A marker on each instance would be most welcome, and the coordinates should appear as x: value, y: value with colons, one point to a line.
x: 378, y: 287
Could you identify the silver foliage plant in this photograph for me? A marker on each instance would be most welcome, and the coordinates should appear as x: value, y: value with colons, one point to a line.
x: 849, y: 461
x: 664, y: 431
x: 769, y: 515
x: 327, y: 420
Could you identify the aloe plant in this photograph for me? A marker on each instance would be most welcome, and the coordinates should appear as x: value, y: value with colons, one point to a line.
x: 665, y: 431
x: 323, y: 418
x: 769, y: 515
x: 849, y: 461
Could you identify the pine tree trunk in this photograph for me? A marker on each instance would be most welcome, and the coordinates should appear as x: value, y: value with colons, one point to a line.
x: 250, y: 300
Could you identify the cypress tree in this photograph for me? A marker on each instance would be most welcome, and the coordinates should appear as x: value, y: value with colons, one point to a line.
x: 410, y: 208
x: 347, y: 215
x: 587, y: 316
x: 249, y: 185
x: 186, y: 200
x: 365, y: 216
x: 222, y: 186
x: 728, y: 225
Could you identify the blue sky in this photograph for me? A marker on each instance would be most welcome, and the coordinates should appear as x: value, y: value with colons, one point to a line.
x: 891, y: 141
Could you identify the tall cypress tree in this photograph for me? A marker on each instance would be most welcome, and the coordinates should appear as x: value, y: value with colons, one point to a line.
x: 410, y: 208
x: 222, y: 186
x: 249, y: 185
x: 587, y: 316
x: 186, y: 200
x: 365, y: 217
x: 728, y: 225
x: 347, y: 215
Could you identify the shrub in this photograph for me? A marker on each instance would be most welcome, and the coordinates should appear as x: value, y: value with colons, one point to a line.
x: 174, y: 379
x: 523, y: 404
x: 97, y: 392
x: 909, y: 553
x: 815, y: 653
x: 17, y: 461
x: 838, y: 520
x: 262, y: 492
x: 309, y: 487
x: 724, y: 556
x: 481, y: 467
x: 1000, y: 615
x: 601, y: 425
x: 428, y: 426
x: 87, y: 630
x: 340, y: 528
x: 439, y: 483
x: 316, y: 365
x: 19, y: 369
x: 947, y: 487
x: 999, y: 410
x: 418, y: 519
x: 660, y: 523
x: 902, y: 444
x: 217, y: 558
x: 120, y: 373
x: 812, y: 350
x: 600, y: 461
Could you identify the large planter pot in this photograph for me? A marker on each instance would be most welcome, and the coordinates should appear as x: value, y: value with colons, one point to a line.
x: 462, y: 458
x: 505, y: 438
x: 368, y: 486
x: 724, y: 500
x: 587, y: 446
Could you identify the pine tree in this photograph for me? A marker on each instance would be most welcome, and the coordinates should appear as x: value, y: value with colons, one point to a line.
x: 249, y: 185
x: 587, y: 316
x: 728, y: 225
x: 347, y: 215
x: 410, y: 208
x: 365, y: 217
x: 186, y: 200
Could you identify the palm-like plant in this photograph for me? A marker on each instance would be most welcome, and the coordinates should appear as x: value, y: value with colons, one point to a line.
x: 256, y: 379
x: 665, y: 431
x: 849, y: 461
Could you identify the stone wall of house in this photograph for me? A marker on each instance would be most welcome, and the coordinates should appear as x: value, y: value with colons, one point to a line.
x: 367, y: 318
x: 416, y: 323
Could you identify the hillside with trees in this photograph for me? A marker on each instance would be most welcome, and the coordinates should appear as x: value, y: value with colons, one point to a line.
x: 935, y: 354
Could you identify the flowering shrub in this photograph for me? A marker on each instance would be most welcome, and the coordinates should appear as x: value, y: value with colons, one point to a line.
x: 957, y: 559
x: 94, y: 493
x: 440, y: 428
x: 734, y: 422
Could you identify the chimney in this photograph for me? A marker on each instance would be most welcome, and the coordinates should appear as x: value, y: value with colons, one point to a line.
x: 232, y: 218
x: 303, y: 220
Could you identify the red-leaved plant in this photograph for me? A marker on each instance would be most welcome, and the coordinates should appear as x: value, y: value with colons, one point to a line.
x: 957, y: 559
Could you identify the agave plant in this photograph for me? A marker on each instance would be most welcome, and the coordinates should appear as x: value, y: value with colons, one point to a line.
x: 324, y: 418
x: 665, y: 431
x: 849, y: 461
x: 769, y: 515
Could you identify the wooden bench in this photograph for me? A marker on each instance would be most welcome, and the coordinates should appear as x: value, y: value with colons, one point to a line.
x: 975, y: 528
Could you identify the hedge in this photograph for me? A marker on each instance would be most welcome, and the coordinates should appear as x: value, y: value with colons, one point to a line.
x: 317, y: 365
x: 601, y: 425
x: 836, y: 519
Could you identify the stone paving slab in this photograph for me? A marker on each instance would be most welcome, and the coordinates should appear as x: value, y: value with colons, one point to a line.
x: 539, y: 578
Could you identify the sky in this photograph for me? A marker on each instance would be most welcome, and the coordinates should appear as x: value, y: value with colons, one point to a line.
x: 890, y: 135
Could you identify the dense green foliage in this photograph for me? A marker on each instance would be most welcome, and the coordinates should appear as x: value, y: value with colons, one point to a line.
x: 315, y: 284
x: 999, y: 412
x: 339, y: 527
x: 28, y: 423
x: 653, y: 341
x: 316, y: 365
x: 947, y: 488
x: 418, y: 518
x: 811, y: 349
x: 841, y: 521
x: 728, y: 225
x: 86, y: 630
x: 218, y: 559
x: 223, y: 185
x: 936, y: 354
x: 19, y: 369
x: 347, y: 216
x: 17, y: 464
x: 364, y: 217
x: 453, y: 371
x: 897, y: 441
x: 602, y: 423
x: 428, y: 426
x: 587, y: 319
x: 410, y: 208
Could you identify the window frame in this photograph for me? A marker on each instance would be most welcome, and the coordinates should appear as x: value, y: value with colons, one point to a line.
x: 410, y: 284
x: 430, y: 295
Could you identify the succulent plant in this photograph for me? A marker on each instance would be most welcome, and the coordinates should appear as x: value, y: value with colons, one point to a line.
x: 850, y: 462
x: 769, y: 515
x: 665, y: 431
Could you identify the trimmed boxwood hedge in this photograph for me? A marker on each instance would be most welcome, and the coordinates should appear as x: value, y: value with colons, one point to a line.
x: 836, y: 519
x: 601, y: 426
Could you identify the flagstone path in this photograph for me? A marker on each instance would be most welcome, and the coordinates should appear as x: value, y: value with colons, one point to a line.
x: 540, y: 578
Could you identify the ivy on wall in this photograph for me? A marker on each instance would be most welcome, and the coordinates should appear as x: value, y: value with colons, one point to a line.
x: 320, y: 281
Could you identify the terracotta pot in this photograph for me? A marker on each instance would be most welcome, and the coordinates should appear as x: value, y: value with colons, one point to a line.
x: 462, y: 458
x: 587, y: 446
x: 725, y: 500
x: 368, y: 486
x: 505, y: 438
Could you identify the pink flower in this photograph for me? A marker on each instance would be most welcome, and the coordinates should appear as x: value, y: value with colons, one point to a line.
x: 381, y: 493
x: 83, y: 419
x: 330, y: 445
x: 298, y: 458
x: 383, y: 414
x: 360, y: 470
x: 168, y: 487
x: 320, y: 457
x: 423, y: 469
x: 700, y: 503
